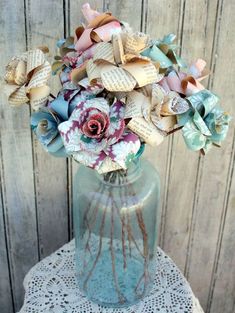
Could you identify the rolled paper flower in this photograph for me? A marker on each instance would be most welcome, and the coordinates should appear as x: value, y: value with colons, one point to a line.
x: 205, y: 123
x: 94, y: 135
x: 164, y: 108
x: 186, y: 83
x: 133, y: 71
x: 153, y: 112
x: 26, y: 78
x: 164, y: 52
x: 45, y: 126
x: 101, y: 27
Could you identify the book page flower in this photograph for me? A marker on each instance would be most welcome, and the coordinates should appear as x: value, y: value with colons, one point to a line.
x: 153, y: 112
x: 26, y: 77
x: 118, y: 68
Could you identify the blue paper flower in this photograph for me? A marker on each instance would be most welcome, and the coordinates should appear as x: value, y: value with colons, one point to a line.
x: 45, y: 126
x: 205, y: 123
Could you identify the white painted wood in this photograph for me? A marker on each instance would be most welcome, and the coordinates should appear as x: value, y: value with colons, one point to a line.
x: 45, y: 25
x: 196, y: 41
x: 223, y: 282
x: 162, y: 18
x: 215, y: 175
x: 6, y: 303
x: 128, y: 11
x: 17, y: 179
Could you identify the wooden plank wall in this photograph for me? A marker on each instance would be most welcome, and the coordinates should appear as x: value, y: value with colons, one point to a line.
x: 197, y: 226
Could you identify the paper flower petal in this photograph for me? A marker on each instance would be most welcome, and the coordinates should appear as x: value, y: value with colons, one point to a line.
x: 124, y: 151
x: 45, y: 126
x: 193, y: 137
x: 90, y: 159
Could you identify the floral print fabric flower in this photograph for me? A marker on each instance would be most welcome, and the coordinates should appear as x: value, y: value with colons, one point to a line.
x: 95, y: 132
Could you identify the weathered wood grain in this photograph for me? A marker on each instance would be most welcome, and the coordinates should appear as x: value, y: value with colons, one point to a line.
x: 222, y: 287
x: 45, y: 25
x: 17, y: 179
x: 215, y: 176
x: 197, y: 41
x: 75, y: 16
x: 162, y: 18
x: 6, y: 299
x: 128, y: 11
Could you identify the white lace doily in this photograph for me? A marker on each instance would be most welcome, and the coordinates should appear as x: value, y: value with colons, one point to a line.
x: 50, y: 287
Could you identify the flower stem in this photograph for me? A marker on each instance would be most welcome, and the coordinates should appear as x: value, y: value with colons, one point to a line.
x: 120, y: 296
x: 100, y: 246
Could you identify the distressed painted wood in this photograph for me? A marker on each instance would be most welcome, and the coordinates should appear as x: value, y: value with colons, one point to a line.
x: 198, y: 196
x: 158, y: 22
x: 5, y: 282
x: 222, y: 289
x: 50, y: 172
x: 16, y: 154
x: 196, y: 41
x: 210, y: 208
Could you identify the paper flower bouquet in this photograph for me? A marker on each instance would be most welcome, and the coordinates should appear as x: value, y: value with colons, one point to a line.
x: 119, y: 89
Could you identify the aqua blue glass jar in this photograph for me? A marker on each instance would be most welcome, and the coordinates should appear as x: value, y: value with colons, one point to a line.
x: 115, y: 226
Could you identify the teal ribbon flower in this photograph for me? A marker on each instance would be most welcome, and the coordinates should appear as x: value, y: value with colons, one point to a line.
x: 45, y: 123
x: 165, y: 52
x: 205, y: 123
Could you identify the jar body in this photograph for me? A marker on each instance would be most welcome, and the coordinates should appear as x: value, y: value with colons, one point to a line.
x: 115, y: 226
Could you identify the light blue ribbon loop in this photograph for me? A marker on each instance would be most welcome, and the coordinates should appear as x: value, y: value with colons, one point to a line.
x: 164, y: 52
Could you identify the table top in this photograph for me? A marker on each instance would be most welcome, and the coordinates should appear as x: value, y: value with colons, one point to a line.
x: 51, y: 286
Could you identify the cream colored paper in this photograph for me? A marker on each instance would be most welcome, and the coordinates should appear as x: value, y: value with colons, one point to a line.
x: 39, y: 96
x: 18, y: 96
x: 166, y: 123
x: 93, y: 71
x: 79, y: 73
x: 20, y: 73
x: 136, y: 42
x: 116, y: 79
x: 27, y: 78
x: 118, y: 50
x: 35, y: 58
x: 145, y: 130
x: 41, y: 76
x: 145, y: 73
x: 135, y: 101
x: 104, y: 52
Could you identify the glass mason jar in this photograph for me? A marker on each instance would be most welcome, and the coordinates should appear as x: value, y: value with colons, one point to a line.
x: 115, y: 225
